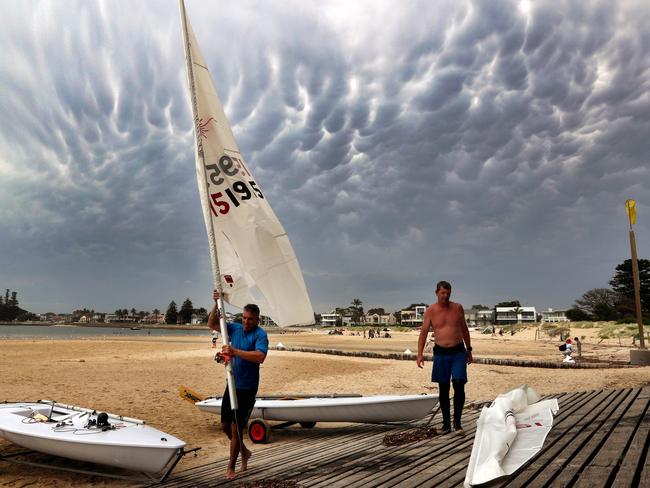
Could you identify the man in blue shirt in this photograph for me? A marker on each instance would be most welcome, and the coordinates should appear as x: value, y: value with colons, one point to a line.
x: 247, y: 350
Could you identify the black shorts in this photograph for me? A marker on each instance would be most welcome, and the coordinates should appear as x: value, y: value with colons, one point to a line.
x: 245, y: 401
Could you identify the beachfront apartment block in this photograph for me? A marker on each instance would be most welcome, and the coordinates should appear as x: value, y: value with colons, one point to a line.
x: 478, y: 316
x: 515, y: 315
x: 413, y: 317
x: 331, y: 318
x: 484, y: 317
x: 551, y: 315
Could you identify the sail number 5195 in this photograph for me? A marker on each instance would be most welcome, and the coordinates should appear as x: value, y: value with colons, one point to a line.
x: 220, y: 204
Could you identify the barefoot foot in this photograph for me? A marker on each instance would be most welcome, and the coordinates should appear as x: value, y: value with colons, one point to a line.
x: 230, y: 473
x: 245, y: 456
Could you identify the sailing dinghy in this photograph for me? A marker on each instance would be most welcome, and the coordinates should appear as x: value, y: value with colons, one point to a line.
x: 252, y: 258
x: 375, y: 409
x: 87, y: 435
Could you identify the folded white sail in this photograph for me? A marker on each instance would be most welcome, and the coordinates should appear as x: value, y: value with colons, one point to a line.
x: 256, y: 262
x: 509, y: 433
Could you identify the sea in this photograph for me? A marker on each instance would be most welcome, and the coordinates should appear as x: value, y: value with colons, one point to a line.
x: 75, y: 332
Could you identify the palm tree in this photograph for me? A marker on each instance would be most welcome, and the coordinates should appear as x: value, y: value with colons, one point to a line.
x: 358, y: 310
x: 516, y: 312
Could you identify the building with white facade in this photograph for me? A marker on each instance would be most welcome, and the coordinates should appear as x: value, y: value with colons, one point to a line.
x: 331, y: 318
x: 485, y: 317
x: 551, y: 315
x: 515, y: 315
x: 413, y: 317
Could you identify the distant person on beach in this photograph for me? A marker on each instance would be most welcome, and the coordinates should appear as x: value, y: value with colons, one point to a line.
x: 215, y: 336
x: 452, y: 352
x: 578, y: 346
x: 248, y: 347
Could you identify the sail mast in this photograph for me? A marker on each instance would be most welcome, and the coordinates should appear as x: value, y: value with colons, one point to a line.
x: 199, y: 147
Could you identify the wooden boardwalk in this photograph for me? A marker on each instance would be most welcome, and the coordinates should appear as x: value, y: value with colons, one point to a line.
x: 599, y: 439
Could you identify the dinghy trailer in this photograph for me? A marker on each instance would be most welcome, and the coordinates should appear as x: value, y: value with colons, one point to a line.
x: 306, y: 410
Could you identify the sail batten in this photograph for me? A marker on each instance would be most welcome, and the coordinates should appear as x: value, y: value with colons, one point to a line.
x: 252, y: 258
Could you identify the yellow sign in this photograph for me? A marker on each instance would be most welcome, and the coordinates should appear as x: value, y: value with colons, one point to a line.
x: 630, y: 206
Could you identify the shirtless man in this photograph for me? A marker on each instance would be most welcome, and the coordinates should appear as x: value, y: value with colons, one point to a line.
x: 450, y: 354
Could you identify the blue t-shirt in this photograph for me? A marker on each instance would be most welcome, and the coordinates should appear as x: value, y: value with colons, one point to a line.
x: 247, y: 373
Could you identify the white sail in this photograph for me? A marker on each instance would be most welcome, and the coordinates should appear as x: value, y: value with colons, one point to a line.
x: 250, y: 251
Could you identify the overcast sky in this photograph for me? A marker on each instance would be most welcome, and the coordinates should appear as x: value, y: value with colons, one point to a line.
x: 490, y: 143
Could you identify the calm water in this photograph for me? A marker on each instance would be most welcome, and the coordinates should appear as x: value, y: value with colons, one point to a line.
x: 72, y: 332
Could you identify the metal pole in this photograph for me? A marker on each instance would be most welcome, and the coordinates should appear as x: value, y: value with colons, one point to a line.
x: 637, y: 288
x: 199, y: 144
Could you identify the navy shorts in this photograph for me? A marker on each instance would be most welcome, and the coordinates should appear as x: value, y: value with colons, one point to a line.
x: 449, y: 363
x: 245, y: 403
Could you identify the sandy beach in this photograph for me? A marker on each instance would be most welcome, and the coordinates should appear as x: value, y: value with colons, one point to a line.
x: 140, y: 377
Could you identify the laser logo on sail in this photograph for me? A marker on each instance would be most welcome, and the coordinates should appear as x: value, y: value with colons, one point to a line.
x: 204, y: 127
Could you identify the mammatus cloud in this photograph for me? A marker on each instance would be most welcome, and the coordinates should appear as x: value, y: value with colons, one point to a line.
x: 481, y: 142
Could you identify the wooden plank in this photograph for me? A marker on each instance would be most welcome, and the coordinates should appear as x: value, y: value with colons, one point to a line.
x: 315, y: 459
x: 446, y: 467
x: 584, y: 409
x: 276, y: 458
x: 435, y: 474
x: 577, y: 437
x: 434, y: 457
x: 602, y: 469
x: 636, y: 459
x: 432, y: 472
x: 386, y: 462
x: 349, y: 464
x: 601, y: 431
x: 591, y: 434
x: 390, y: 460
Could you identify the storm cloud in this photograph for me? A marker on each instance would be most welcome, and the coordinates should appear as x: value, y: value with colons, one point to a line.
x: 492, y: 144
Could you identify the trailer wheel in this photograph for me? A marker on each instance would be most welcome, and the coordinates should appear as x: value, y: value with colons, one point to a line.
x: 259, y: 431
x: 307, y: 425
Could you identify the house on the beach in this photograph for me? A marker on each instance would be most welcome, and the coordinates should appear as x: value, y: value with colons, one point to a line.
x: 413, y: 315
x: 515, y: 315
x: 332, y: 319
x: 551, y: 315
x: 478, y: 316
x: 379, y: 319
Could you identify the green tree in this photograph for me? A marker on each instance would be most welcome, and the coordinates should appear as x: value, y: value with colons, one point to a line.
x: 171, y: 317
x: 576, y: 315
x: 187, y: 309
x: 598, y: 303
x: 378, y: 311
x: 357, y: 310
x: 513, y: 303
x: 623, y: 284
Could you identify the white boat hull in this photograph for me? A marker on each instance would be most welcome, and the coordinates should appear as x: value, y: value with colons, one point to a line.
x: 365, y: 409
x: 131, y: 445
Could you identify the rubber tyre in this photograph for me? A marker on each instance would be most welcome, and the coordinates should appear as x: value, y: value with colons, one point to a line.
x: 259, y: 432
x: 307, y: 425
